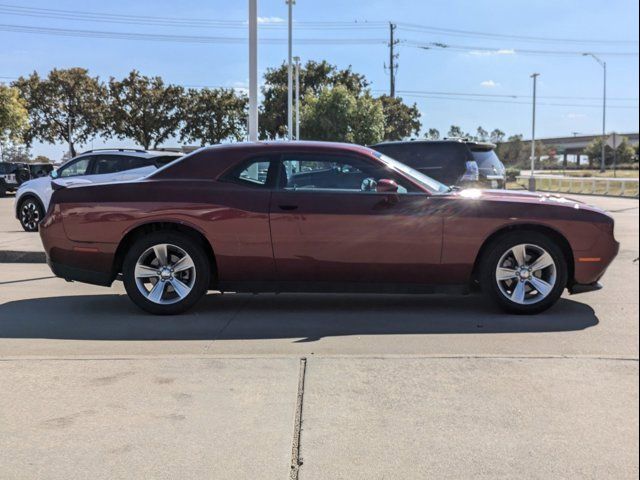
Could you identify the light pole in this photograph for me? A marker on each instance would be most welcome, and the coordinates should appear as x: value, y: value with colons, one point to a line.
x: 532, y: 180
x: 290, y: 73
x: 297, y: 60
x: 253, y: 71
x: 603, y: 64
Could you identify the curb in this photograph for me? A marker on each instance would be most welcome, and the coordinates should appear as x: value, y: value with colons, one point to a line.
x: 14, y: 256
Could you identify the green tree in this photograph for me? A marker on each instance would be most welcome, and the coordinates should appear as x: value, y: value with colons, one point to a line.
x: 481, y: 134
x: 314, y: 77
x: 14, y: 117
x: 624, y: 153
x: 432, y: 134
x: 336, y: 114
x: 496, y: 136
x: 144, y: 109
x: 212, y: 116
x: 67, y: 106
x: 455, y: 131
x: 400, y: 119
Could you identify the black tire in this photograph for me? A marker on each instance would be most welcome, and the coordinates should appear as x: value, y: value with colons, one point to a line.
x: 188, y: 245
x: 493, y: 255
x: 3, y: 188
x: 30, y: 213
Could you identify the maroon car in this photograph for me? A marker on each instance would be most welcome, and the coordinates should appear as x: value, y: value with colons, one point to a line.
x: 320, y: 217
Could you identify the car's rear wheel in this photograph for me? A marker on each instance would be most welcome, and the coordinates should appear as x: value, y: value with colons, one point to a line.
x: 166, y: 273
x: 30, y: 213
x: 524, y: 272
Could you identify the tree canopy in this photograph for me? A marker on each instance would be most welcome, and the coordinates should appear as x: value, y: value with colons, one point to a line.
x: 67, y: 106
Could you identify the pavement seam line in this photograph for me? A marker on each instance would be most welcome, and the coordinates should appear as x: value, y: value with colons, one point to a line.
x: 219, y: 334
x: 296, y: 461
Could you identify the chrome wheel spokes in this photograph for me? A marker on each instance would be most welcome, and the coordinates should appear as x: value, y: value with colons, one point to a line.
x: 165, y: 274
x: 526, y: 274
x: 29, y: 215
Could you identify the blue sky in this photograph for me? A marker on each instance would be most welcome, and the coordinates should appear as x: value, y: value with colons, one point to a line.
x: 575, y: 81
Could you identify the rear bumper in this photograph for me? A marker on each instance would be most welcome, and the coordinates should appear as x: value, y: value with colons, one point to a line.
x: 74, y: 274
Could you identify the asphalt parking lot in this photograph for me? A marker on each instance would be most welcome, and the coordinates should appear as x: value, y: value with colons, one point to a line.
x: 318, y: 386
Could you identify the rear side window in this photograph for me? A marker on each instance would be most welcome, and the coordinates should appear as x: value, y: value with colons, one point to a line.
x: 163, y: 160
x: 253, y: 173
x: 105, y: 164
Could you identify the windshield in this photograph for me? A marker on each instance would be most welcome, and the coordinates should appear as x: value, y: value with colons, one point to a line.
x: 424, y: 180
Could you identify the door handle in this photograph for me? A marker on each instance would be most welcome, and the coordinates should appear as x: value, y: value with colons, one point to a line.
x: 288, y: 207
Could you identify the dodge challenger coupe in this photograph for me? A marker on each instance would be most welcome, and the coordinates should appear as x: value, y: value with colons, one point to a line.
x: 320, y: 217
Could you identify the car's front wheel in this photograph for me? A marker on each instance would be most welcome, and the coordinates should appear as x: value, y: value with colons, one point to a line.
x: 30, y: 213
x: 524, y: 272
x: 166, y: 273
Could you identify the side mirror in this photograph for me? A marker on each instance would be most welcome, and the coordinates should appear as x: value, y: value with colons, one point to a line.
x: 54, y: 174
x: 386, y: 185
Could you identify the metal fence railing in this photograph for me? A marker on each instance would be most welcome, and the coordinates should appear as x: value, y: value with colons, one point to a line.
x: 621, y: 187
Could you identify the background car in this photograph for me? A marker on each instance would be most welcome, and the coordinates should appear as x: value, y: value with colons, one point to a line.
x: 450, y: 161
x: 94, y: 166
x: 326, y: 218
x: 12, y: 175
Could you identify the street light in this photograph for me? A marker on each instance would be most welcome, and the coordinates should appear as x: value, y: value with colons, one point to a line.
x: 532, y: 180
x: 297, y: 60
x: 290, y: 3
x: 603, y: 64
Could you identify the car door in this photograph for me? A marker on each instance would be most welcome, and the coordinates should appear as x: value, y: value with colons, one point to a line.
x: 329, y: 225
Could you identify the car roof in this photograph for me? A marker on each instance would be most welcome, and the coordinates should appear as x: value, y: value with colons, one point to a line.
x: 131, y: 152
x: 470, y: 143
x: 284, y: 145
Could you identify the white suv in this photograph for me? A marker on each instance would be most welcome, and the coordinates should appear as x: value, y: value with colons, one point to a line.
x: 95, y: 166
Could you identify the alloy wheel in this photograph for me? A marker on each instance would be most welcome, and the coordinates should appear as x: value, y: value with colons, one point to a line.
x: 30, y: 215
x: 165, y: 274
x: 526, y: 274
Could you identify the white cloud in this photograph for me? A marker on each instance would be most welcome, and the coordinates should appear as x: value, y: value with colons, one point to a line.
x: 270, y: 20
x: 489, y: 84
x: 490, y: 53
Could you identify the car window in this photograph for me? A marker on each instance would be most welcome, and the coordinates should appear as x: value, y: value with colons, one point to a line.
x: 324, y: 172
x: 75, y: 168
x: 254, y: 173
x: 488, y: 160
x: 425, y: 155
x: 163, y: 160
x: 104, y: 164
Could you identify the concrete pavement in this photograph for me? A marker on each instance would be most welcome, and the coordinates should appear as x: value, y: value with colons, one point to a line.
x: 395, y: 386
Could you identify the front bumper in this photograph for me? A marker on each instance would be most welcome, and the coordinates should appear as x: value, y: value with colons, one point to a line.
x: 577, y: 288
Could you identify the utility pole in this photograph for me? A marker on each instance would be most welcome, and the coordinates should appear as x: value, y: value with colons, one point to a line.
x: 290, y: 73
x: 297, y: 60
x: 532, y: 180
x: 253, y: 70
x: 393, y: 66
x: 603, y: 64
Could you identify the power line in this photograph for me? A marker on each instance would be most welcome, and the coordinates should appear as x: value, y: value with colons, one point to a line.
x: 523, y: 38
x: 102, y: 17
x: 64, y: 32
x: 483, y: 50
x: 513, y: 96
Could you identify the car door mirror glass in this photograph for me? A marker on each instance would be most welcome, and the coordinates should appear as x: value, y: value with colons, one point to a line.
x: 54, y: 174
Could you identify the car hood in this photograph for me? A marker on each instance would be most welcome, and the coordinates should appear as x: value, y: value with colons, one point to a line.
x: 516, y: 196
x: 35, y: 183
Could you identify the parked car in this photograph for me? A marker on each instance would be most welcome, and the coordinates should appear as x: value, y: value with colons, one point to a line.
x: 326, y: 218
x: 450, y: 161
x: 95, y: 166
x: 37, y: 170
x: 12, y: 175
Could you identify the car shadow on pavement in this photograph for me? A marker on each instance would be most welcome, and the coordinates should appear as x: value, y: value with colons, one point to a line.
x: 303, y: 317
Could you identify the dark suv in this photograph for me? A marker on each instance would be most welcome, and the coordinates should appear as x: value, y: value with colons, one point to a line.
x: 450, y: 161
